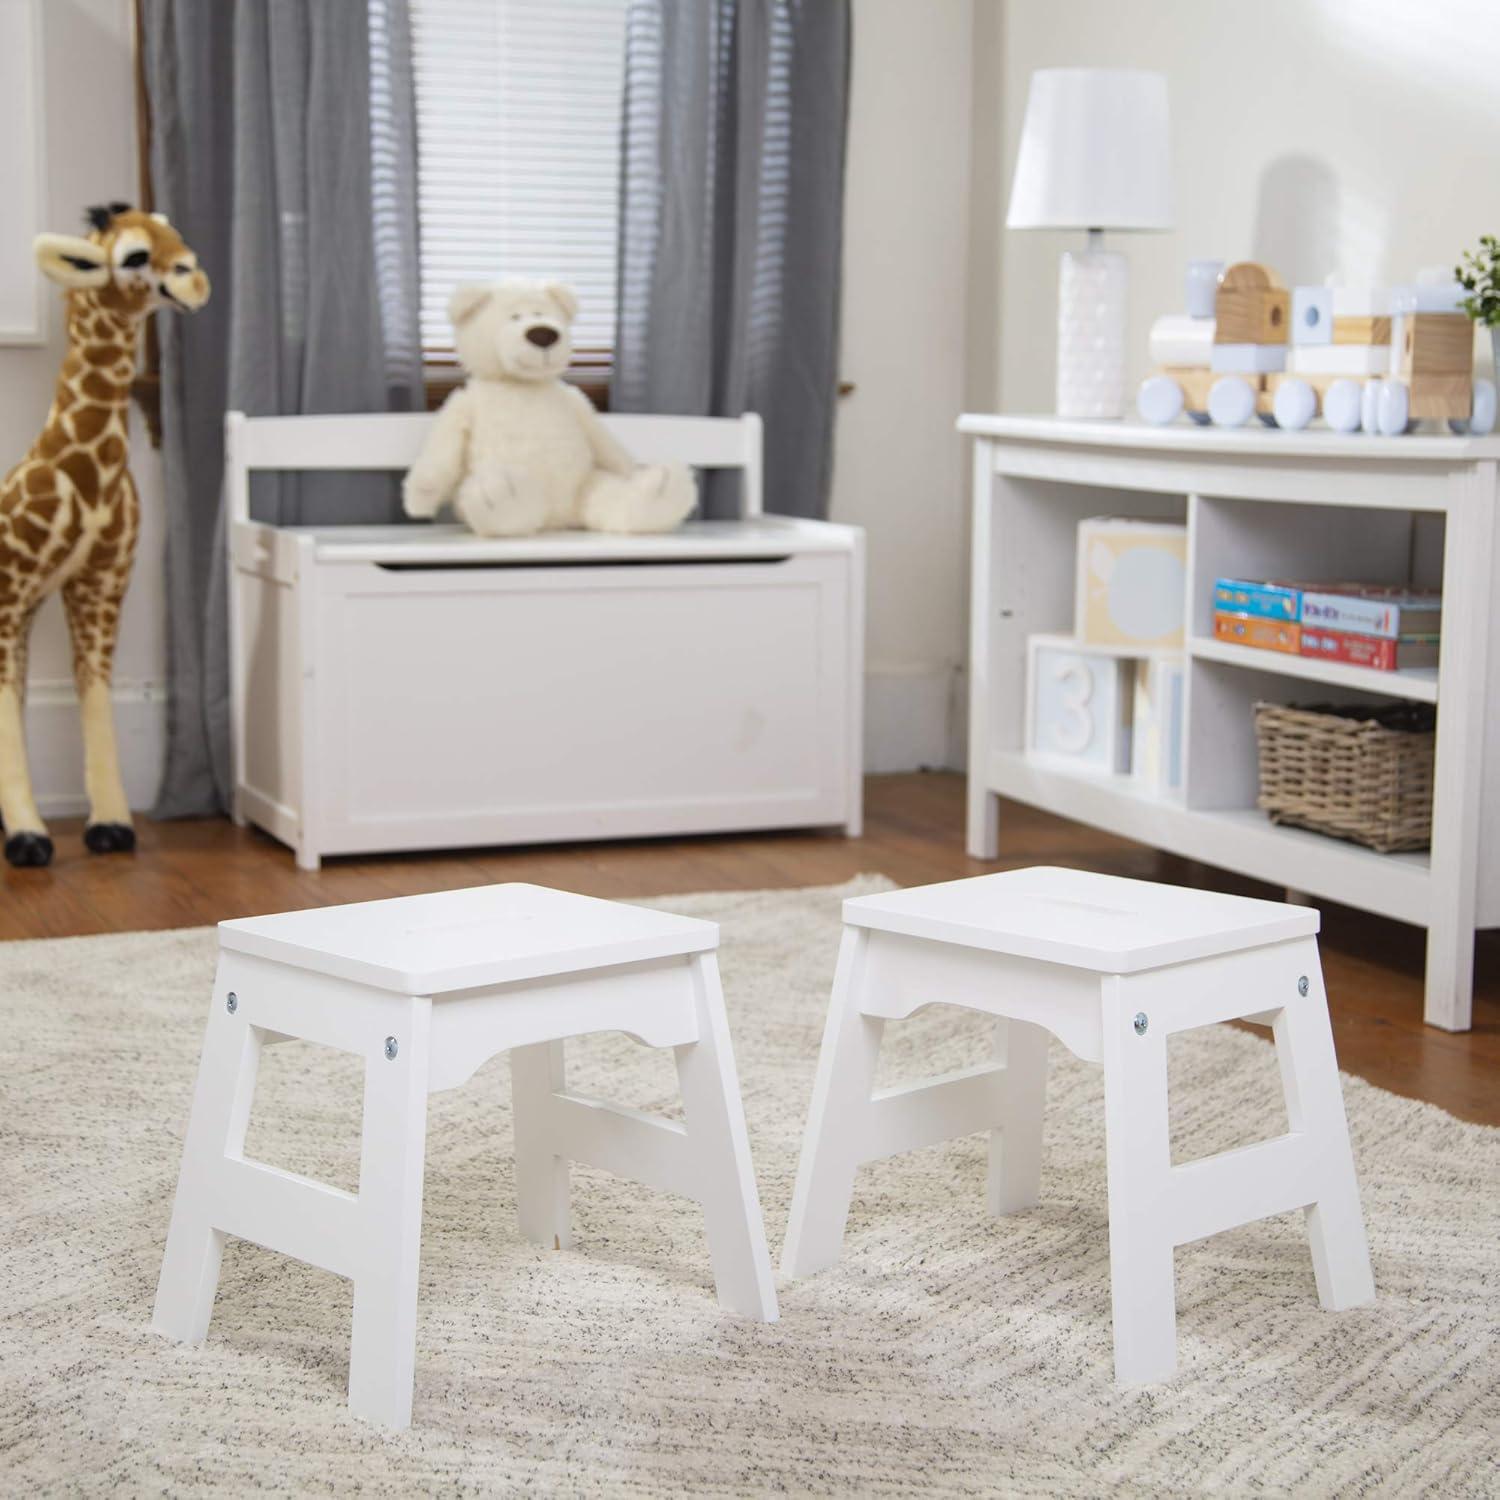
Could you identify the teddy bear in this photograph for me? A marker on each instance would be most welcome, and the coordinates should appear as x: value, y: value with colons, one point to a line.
x: 517, y: 450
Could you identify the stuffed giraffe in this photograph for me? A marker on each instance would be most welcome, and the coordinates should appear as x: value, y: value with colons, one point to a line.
x: 69, y: 515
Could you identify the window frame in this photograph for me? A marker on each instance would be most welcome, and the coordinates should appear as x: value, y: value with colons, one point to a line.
x: 591, y: 370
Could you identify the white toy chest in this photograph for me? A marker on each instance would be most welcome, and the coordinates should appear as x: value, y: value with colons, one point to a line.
x: 419, y: 687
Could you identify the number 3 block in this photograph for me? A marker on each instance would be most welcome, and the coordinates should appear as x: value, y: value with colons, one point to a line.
x: 1078, y: 704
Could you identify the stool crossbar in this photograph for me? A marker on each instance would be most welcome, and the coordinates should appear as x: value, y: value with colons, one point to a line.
x: 426, y: 990
x: 1112, y: 968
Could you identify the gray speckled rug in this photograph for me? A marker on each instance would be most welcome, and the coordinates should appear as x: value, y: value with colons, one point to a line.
x: 947, y: 1353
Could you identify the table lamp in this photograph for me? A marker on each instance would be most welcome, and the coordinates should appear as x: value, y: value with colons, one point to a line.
x: 1094, y: 156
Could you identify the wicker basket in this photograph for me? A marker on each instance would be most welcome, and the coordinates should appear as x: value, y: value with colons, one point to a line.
x: 1356, y: 773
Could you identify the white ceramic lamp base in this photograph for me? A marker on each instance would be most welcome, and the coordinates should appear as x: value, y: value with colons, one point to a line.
x: 1091, y: 319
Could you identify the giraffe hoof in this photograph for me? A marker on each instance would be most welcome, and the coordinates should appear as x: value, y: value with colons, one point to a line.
x: 109, y: 838
x: 28, y: 850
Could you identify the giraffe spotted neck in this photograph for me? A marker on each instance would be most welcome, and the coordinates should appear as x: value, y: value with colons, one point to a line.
x: 85, y: 434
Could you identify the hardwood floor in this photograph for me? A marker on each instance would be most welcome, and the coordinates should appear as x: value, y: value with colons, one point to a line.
x: 190, y: 873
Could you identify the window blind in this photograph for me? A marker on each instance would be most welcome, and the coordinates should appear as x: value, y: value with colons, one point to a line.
x: 518, y: 143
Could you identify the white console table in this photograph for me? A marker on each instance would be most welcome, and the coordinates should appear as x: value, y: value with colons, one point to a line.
x: 1257, y: 503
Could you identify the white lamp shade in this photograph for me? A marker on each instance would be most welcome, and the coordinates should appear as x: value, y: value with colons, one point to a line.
x: 1094, y: 152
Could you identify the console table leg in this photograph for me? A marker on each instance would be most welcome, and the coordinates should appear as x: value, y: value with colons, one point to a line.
x: 1450, y: 972
x: 983, y: 841
x: 1458, y: 770
x: 983, y: 835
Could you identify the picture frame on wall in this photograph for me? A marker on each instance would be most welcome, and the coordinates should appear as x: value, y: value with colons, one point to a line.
x: 22, y: 311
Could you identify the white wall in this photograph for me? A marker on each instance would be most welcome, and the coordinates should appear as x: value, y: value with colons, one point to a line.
x: 90, y: 157
x: 1355, y: 137
x: 899, y: 466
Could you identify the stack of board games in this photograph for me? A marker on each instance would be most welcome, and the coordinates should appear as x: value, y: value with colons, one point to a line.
x: 1383, y: 626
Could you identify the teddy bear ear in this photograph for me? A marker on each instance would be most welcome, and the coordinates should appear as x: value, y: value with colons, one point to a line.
x: 565, y: 297
x: 466, y: 301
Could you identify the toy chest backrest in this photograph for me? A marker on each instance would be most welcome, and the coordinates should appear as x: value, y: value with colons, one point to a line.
x: 392, y: 440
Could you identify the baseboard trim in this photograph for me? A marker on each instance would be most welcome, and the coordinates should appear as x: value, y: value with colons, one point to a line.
x: 911, y: 719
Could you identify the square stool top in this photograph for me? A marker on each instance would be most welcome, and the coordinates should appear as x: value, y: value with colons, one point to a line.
x: 1087, y: 921
x: 459, y: 940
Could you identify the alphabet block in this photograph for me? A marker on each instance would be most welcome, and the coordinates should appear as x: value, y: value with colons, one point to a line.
x: 1078, y: 704
x: 1131, y: 583
x: 1156, y: 723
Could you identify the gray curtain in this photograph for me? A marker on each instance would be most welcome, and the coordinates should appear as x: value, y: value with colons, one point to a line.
x: 284, y: 149
x: 731, y: 222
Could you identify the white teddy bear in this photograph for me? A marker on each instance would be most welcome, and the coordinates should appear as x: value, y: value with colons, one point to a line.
x: 516, y: 449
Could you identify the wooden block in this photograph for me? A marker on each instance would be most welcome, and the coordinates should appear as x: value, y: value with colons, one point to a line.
x: 1440, y: 398
x: 1252, y: 306
x: 1251, y: 275
x: 1361, y: 330
x: 1156, y: 723
x: 1251, y: 316
x: 1436, y: 344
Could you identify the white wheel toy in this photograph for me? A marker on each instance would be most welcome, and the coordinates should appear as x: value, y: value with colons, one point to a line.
x: 1231, y: 402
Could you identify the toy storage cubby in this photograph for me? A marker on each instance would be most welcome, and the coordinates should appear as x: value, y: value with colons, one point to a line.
x: 415, y: 686
x: 1236, y: 538
x: 1267, y: 504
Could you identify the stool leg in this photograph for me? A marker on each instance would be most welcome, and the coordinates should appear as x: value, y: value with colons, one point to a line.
x: 216, y: 1129
x: 536, y: 1073
x: 1015, y: 1179
x: 382, y: 1350
x: 1315, y: 1105
x: 719, y: 1141
x: 832, y: 1144
x: 1139, y: 1156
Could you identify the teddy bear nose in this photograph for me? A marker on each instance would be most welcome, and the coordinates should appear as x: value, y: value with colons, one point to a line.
x: 543, y: 338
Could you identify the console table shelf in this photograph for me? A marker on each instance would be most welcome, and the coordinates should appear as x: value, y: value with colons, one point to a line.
x: 1417, y: 683
x: 1268, y: 504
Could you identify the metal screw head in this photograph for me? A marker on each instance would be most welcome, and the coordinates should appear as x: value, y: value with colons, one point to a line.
x: 231, y: 1002
x: 1141, y: 1023
x: 1302, y: 985
x: 390, y: 1049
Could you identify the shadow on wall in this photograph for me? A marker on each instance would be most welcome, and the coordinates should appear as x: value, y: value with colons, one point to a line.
x: 1297, y: 230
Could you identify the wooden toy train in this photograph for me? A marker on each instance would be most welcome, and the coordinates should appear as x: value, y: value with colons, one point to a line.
x: 1369, y: 359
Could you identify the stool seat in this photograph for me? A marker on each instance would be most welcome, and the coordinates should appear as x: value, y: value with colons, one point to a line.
x: 1081, y: 919
x: 459, y: 940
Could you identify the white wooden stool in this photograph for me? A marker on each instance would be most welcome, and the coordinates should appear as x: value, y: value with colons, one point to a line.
x: 426, y: 989
x: 1111, y: 967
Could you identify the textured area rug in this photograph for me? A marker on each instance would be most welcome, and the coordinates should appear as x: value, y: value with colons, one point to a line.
x: 947, y: 1353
